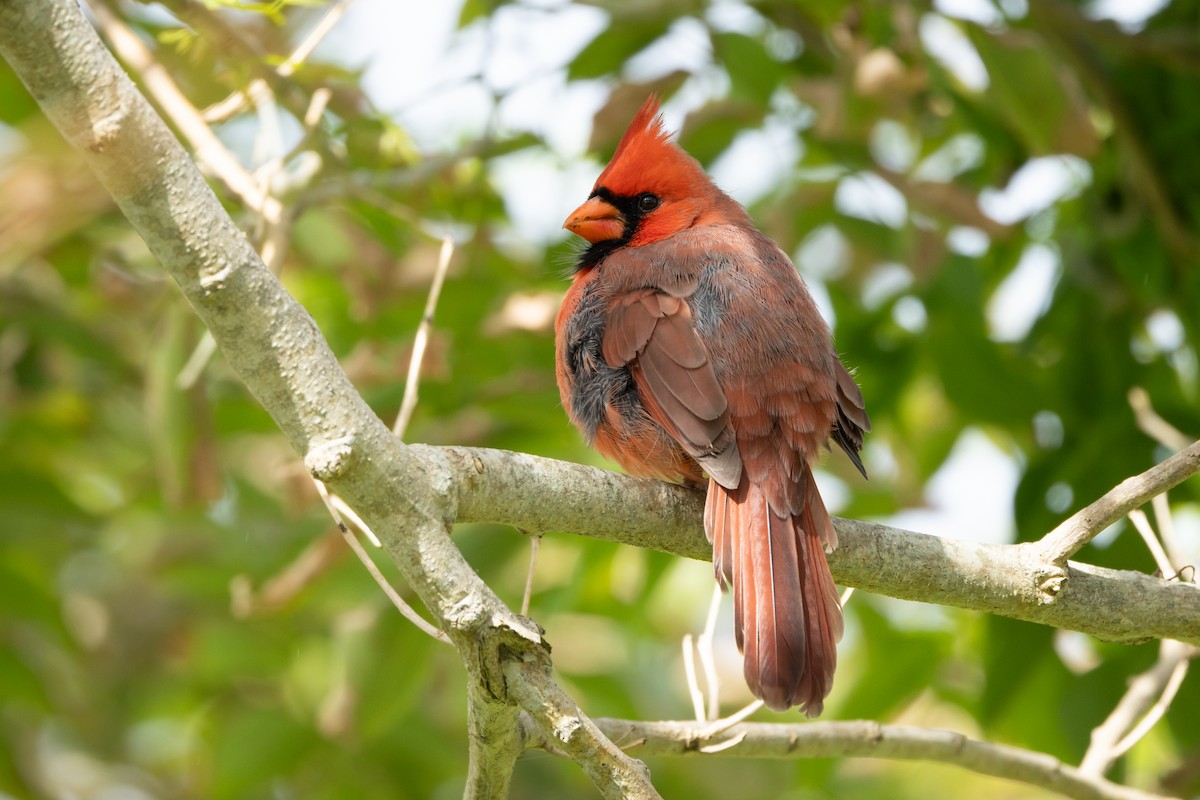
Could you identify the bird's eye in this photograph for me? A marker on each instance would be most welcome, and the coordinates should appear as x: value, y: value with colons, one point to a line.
x: 647, y: 202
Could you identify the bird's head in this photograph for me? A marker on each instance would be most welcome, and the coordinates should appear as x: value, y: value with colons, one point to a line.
x: 651, y: 189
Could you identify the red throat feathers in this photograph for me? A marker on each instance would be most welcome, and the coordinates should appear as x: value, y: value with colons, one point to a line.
x: 688, y: 348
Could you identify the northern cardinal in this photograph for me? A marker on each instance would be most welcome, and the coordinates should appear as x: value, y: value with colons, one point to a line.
x: 688, y: 345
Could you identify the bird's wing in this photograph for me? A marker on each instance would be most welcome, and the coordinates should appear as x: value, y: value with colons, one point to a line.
x: 852, y: 420
x: 652, y: 332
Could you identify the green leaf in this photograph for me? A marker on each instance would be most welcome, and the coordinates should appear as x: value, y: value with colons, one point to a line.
x: 753, y: 73
x: 1031, y: 90
x: 614, y: 45
x: 709, y: 131
x: 896, y: 664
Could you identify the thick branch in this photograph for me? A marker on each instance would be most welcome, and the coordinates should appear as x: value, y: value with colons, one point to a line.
x: 568, y: 730
x: 273, y: 344
x: 410, y: 496
x: 537, y: 494
x: 863, y: 739
x: 494, y: 742
x: 210, y: 151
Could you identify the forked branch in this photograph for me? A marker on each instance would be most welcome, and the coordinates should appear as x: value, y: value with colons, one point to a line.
x: 410, y: 496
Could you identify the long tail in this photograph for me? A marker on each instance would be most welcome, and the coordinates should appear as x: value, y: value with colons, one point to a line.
x: 787, y: 617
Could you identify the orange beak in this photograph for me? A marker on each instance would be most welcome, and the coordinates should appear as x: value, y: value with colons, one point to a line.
x: 597, y: 221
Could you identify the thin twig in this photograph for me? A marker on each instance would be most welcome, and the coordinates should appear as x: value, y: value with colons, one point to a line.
x: 271, y: 167
x: 872, y: 740
x: 193, y: 368
x: 725, y: 723
x: 1151, y: 693
x: 1066, y: 540
x: 210, y: 152
x: 732, y: 741
x: 689, y: 671
x: 404, y: 608
x: 706, y: 647
x: 334, y: 511
x: 1154, y: 425
x: 312, y: 118
x: 1142, y: 525
x: 1159, y: 708
x: 1142, y: 705
x: 310, y: 42
x: 409, y: 403
x: 1166, y: 530
x: 346, y: 511
x: 1166, y: 434
x: 527, y: 595
x: 236, y: 102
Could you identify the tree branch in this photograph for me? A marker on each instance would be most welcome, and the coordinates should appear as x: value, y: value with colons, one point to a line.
x: 538, y: 495
x: 1064, y: 21
x: 229, y: 42
x: 410, y: 496
x: 210, y: 151
x: 494, y: 743
x: 274, y: 345
x: 1145, y: 690
x: 1067, y: 539
x: 567, y: 730
x: 1152, y: 424
x: 863, y: 739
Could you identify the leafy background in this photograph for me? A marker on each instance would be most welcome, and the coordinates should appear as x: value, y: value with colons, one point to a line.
x: 150, y: 645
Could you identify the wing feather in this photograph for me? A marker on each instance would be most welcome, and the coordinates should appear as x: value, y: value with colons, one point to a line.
x: 852, y: 420
x: 653, y: 333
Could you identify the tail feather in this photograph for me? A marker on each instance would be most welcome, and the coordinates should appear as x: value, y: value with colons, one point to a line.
x: 715, y: 508
x: 787, y: 617
x: 745, y: 600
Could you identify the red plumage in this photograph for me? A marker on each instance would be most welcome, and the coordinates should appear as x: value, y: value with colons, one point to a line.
x: 688, y: 345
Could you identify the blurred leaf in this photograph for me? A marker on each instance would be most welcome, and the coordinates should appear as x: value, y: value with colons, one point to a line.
x: 1035, y: 93
x: 255, y: 749
x: 138, y: 513
x: 899, y: 663
x: 709, y: 131
x: 616, y: 44
x: 754, y: 74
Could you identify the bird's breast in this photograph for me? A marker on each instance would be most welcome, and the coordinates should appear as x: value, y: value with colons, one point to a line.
x: 587, y: 384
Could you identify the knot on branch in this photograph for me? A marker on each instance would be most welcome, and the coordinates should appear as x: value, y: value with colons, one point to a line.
x: 105, y: 128
x: 498, y: 637
x: 213, y: 280
x: 1051, y: 580
x: 328, y: 461
x: 1044, y: 578
x: 512, y: 638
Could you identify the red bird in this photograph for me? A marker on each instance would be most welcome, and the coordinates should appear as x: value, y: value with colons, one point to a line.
x: 688, y: 345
